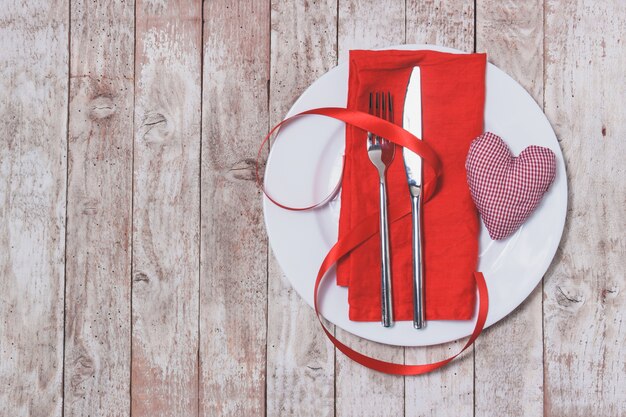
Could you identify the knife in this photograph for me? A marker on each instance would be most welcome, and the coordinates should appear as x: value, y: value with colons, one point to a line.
x: 412, y: 122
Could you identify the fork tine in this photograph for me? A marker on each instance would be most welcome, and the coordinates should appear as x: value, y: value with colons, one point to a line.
x: 377, y: 104
x: 378, y: 113
x: 371, y: 111
x: 380, y: 105
x: 384, y: 113
x: 383, y: 107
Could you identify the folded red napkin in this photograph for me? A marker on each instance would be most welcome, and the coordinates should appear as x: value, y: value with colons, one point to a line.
x: 453, y: 96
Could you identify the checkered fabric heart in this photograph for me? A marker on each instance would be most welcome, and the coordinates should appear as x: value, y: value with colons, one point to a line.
x: 506, y: 189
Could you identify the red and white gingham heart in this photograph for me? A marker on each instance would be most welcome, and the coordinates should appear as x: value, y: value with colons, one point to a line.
x: 506, y: 189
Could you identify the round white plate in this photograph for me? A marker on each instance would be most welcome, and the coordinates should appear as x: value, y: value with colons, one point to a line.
x: 305, y: 164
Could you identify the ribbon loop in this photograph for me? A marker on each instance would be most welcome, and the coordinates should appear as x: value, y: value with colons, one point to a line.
x: 370, y: 123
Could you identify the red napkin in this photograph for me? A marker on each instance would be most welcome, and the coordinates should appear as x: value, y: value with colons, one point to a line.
x: 453, y: 96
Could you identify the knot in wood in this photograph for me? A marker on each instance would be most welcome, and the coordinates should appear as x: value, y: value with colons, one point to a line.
x: 565, y: 299
x: 101, y: 107
x: 141, y: 277
x: 155, y: 127
x: 244, y: 170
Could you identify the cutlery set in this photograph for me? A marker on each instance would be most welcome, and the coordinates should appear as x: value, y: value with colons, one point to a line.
x: 381, y: 152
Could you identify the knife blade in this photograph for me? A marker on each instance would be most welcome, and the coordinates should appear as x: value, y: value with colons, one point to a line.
x: 412, y: 122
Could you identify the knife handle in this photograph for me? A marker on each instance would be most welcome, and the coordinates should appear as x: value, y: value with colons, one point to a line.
x: 386, y: 294
x: 418, y: 268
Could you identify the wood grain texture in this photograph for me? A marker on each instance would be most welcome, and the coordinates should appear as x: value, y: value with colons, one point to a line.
x: 99, y: 199
x: 359, y: 391
x: 363, y: 392
x: 234, y: 244
x: 584, y: 302
x: 450, y: 391
x: 369, y: 24
x: 300, y: 361
x: 145, y: 204
x: 445, y: 392
x: 439, y: 22
x: 509, y: 355
x: 33, y: 151
x: 166, y: 203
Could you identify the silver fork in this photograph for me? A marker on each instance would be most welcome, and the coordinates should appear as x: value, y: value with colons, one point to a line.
x: 381, y: 152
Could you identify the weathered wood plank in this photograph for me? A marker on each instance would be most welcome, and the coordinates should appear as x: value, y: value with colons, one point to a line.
x: 234, y: 244
x: 369, y: 25
x: 97, y: 331
x: 584, y: 300
x: 438, y: 22
x: 446, y: 392
x: 33, y: 151
x: 166, y: 204
x: 450, y: 391
x: 509, y: 355
x: 363, y: 392
x: 300, y: 361
x: 359, y: 391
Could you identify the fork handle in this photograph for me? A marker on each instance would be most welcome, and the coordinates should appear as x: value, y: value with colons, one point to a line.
x: 387, y: 305
x: 418, y: 268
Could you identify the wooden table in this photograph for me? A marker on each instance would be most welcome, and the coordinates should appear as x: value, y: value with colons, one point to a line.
x: 135, y: 271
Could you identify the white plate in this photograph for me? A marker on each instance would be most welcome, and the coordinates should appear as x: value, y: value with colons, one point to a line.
x: 305, y: 163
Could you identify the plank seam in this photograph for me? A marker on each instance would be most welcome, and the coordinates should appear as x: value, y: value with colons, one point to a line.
x: 67, y: 175
x: 406, y: 14
x: 474, y: 346
x: 267, y: 245
x: 475, y: 25
x: 132, y: 212
x: 334, y: 328
x: 198, y: 356
x: 337, y: 33
x: 543, y: 107
x: 404, y: 403
x: 544, y: 78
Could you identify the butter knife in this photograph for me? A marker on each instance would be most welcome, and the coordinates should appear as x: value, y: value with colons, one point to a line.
x: 412, y: 122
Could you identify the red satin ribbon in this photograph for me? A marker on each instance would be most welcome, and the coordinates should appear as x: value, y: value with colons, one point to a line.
x: 369, y: 228
x: 369, y: 123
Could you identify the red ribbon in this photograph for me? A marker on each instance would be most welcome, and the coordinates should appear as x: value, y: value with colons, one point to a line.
x: 369, y: 123
x: 369, y: 228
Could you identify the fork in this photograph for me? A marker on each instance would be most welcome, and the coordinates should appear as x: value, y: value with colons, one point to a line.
x: 381, y: 152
